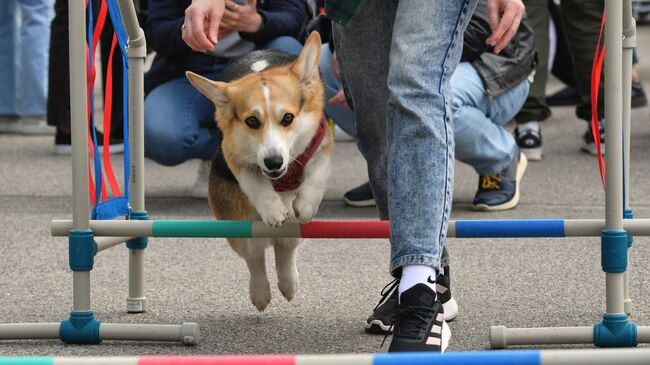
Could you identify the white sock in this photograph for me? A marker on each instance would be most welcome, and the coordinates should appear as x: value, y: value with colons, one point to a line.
x: 533, y: 126
x: 417, y: 274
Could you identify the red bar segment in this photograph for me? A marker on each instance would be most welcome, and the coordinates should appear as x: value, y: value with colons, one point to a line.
x: 346, y: 229
x: 219, y: 360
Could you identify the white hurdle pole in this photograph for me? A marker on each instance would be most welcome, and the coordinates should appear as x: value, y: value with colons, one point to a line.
x: 615, y: 330
x: 137, y: 52
x: 629, y: 43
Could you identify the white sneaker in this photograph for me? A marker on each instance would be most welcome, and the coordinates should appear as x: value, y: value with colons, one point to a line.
x: 200, y: 190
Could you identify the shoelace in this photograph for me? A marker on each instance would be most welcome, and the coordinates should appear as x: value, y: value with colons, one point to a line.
x: 417, y: 316
x: 386, y: 292
x: 490, y: 182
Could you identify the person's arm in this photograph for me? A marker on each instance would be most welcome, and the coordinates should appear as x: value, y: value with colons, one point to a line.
x: 279, y: 18
x: 164, y: 28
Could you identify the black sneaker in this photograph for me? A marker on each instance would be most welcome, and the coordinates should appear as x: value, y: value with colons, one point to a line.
x: 589, y: 144
x: 529, y: 141
x: 419, y: 322
x: 361, y: 196
x: 564, y: 97
x: 382, y: 318
x: 63, y: 143
x: 501, y: 191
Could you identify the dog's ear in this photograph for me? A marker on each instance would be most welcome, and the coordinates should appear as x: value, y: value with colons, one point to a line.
x: 306, y: 65
x: 214, y: 90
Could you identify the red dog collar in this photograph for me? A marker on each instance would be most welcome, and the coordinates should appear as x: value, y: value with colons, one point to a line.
x: 292, y: 179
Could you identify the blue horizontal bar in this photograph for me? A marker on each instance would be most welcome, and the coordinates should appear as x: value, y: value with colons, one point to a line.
x: 510, y: 228
x: 526, y: 357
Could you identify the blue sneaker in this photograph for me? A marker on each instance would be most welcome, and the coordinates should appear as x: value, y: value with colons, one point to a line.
x: 501, y: 191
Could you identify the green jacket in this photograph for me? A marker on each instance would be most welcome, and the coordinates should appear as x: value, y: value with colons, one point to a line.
x: 341, y: 11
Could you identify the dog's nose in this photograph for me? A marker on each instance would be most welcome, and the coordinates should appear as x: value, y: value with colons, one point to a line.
x: 273, y: 163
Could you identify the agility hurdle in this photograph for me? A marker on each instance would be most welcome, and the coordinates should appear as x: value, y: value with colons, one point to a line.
x: 88, y: 237
x: 521, y: 357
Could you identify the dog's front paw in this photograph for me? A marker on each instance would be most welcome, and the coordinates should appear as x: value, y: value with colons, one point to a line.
x: 275, y: 213
x: 304, y: 209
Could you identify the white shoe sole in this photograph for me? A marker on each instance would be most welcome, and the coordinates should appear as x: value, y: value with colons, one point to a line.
x: 591, y: 148
x: 451, y: 309
x: 532, y: 154
x: 360, y: 203
x: 521, y: 169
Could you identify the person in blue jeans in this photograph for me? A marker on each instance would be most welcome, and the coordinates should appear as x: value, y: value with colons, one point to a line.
x: 24, y: 45
x: 397, y: 60
x: 178, y: 120
x: 403, y: 127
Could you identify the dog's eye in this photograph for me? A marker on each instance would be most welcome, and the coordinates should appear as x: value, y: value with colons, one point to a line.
x: 252, y: 122
x: 287, y: 119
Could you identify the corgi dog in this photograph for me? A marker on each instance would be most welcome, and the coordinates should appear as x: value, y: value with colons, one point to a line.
x: 275, y: 154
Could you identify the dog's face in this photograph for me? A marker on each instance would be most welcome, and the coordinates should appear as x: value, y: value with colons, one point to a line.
x: 268, y: 115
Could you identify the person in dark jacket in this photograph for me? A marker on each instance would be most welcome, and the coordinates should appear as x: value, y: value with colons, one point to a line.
x: 179, y: 121
x: 488, y: 90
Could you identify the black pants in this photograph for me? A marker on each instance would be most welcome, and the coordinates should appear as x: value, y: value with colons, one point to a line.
x: 580, y: 23
x: 58, y: 101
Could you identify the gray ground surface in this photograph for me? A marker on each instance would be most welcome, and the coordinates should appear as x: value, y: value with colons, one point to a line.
x: 514, y: 282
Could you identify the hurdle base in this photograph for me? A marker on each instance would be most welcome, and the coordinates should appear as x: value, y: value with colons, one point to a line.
x: 136, y: 305
x: 502, y: 337
x: 186, y: 333
x: 627, y: 305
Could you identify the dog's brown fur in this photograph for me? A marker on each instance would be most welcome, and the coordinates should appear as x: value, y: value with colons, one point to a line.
x: 268, y: 95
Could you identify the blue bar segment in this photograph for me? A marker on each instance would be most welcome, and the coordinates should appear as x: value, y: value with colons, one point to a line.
x: 526, y: 357
x: 510, y: 228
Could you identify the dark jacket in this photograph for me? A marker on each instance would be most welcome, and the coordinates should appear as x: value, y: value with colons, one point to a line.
x: 504, y: 71
x: 174, y: 57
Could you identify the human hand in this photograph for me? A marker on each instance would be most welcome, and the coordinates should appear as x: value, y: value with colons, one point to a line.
x: 339, y: 98
x: 504, y: 17
x: 202, y: 19
x: 242, y: 18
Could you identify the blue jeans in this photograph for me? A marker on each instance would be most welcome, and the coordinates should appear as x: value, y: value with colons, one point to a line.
x: 179, y: 121
x: 24, y: 47
x: 481, y: 141
x: 397, y: 58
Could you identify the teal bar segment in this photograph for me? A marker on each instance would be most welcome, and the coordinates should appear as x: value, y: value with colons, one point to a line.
x: 26, y: 361
x: 221, y: 229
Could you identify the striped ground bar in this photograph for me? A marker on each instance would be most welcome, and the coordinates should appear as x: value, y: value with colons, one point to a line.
x: 514, y: 357
x: 348, y: 228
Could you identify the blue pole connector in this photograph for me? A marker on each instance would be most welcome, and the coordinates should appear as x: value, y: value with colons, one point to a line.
x: 80, y: 328
x: 138, y: 243
x: 615, y: 330
x: 81, y: 250
x: 613, y: 252
x: 629, y: 215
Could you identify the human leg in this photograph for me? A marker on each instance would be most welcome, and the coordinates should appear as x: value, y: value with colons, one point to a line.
x: 342, y: 116
x: 415, y: 135
x: 528, y: 134
x: 8, y: 59
x: 179, y: 124
x: 34, y: 48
